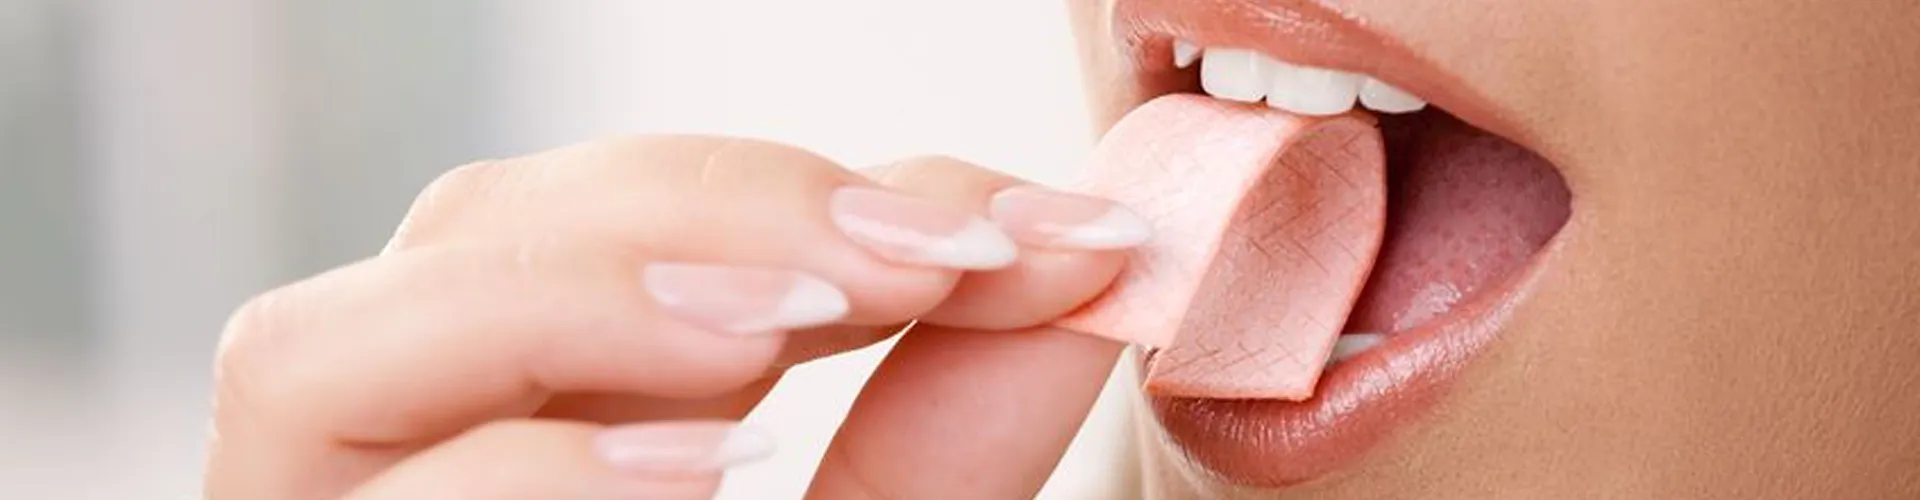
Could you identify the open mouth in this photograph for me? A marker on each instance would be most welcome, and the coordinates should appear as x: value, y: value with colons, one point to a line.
x: 1467, y: 217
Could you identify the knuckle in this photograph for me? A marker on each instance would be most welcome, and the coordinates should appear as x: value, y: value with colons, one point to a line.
x: 244, y: 358
x: 466, y: 182
x: 683, y: 157
x: 938, y: 164
x: 940, y: 173
x: 449, y: 194
x: 742, y: 163
x: 254, y: 318
x: 656, y: 169
x: 909, y: 170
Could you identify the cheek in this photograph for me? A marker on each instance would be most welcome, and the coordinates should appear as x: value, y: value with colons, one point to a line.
x: 1109, y: 86
x: 1735, y: 307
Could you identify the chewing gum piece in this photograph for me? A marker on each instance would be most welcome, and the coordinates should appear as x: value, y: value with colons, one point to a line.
x: 1266, y: 227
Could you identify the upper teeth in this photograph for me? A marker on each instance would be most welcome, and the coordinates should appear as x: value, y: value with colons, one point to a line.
x: 1245, y: 75
x: 1184, y: 54
x: 1378, y: 96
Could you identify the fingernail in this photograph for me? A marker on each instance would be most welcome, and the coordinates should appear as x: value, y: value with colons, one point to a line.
x: 743, y: 300
x: 1044, y: 217
x: 688, y: 447
x: 916, y: 231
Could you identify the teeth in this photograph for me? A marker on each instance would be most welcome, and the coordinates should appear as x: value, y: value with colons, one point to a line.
x: 1378, y: 96
x: 1312, y: 91
x: 1185, y: 54
x: 1353, y: 344
x: 1247, y: 76
x: 1240, y: 75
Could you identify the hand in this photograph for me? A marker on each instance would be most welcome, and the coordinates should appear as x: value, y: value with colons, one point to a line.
x: 591, y: 322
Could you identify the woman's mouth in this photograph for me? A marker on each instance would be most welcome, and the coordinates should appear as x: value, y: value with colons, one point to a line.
x: 1470, y: 217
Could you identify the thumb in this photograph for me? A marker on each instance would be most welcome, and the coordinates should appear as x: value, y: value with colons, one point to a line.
x: 956, y: 413
x: 543, y: 459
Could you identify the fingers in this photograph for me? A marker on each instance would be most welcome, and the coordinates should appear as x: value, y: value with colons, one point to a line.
x: 609, y: 408
x: 702, y: 199
x: 956, y: 413
x: 532, y: 459
x: 1017, y: 397
x: 1068, y: 256
x: 517, y: 281
x: 1069, y: 243
x: 326, y: 381
x: 728, y: 200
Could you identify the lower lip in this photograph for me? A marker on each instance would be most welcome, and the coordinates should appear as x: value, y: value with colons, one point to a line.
x: 1358, y: 403
x: 1364, y: 400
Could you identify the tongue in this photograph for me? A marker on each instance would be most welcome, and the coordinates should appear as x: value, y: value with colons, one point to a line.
x: 1467, y: 209
x: 1267, y: 225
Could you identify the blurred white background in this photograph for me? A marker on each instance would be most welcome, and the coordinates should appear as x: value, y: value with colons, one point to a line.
x: 165, y: 159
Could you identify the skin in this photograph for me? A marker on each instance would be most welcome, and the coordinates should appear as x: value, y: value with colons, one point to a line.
x: 504, y: 329
x: 1733, y: 313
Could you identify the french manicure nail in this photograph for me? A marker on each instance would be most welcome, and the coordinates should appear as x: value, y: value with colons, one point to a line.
x: 743, y: 300
x: 685, y: 447
x: 1044, y: 217
x: 916, y: 231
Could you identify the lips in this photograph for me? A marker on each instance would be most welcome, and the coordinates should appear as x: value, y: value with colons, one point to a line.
x: 1300, y: 32
x: 1470, y: 220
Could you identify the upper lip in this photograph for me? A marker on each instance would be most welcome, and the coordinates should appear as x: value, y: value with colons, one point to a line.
x: 1302, y: 32
x: 1278, y: 443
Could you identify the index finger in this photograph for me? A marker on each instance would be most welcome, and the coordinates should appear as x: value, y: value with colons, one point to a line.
x: 520, y: 280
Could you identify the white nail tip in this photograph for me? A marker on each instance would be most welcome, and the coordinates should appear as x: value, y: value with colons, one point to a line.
x: 1185, y: 54
x: 805, y: 302
x: 1379, y: 96
x: 673, y: 448
x: 1353, y: 344
x: 1313, y: 91
x: 1116, y: 229
x: 743, y: 445
x: 978, y: 246
x: 810, y: 302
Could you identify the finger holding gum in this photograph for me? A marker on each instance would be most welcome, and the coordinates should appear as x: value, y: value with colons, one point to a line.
x: 1266, y: 227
